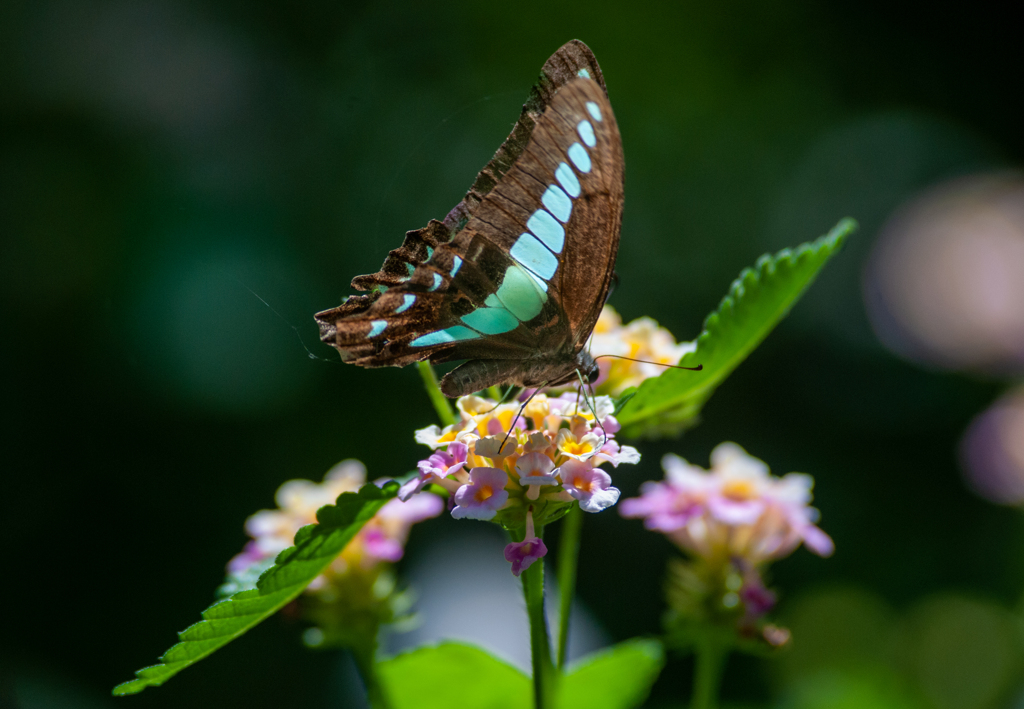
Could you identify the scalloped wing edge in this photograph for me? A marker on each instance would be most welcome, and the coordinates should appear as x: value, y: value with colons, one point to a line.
x: 559, y: 69
x: 292, y: 571
x: 685, y: 409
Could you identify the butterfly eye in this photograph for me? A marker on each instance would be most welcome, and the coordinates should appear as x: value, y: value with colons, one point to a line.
x: 593, y: 374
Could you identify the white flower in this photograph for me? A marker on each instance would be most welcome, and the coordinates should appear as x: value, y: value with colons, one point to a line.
x: 436, y: 437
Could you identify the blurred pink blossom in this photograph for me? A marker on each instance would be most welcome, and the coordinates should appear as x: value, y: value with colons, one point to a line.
x: 735, y: 510
x: 382, y: 538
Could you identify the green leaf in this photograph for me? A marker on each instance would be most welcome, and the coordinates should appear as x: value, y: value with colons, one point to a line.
x: 316, y: 546
x: 452, y: 674
x: 623, y: 399
x: 617, y: 678
x: 757, y: 300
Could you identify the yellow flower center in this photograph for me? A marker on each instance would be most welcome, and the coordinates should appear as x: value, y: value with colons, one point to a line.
x: 739, y: 490
x: 505, y: 419
x: 484, y: 493
x: 574, y: 448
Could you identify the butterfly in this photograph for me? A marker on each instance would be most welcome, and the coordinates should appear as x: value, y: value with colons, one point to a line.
x: 514, y: 279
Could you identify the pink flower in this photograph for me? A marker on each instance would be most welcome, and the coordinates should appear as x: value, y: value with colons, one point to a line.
x: 403, y: 514
x: 534, y: 471
x: 380, y: 546
x: 412, y: 487
x: 610, y: 424
x: 571, y: 404
x: 662, y: 508
x: 512, y: 460
x: 757, y: 598
x: 250, y: 555
x: 816, y: 540
x: 641, y: 339
x: 523, y: 554
x: 740, y: 487
x: 483, y: 496
x: 438, y: 466
x: 591, y: 486
x: 495, y: 447
x: 437, y: 438
x: 580, y: 447
x: 669, y: 506
x: 736, y: 510
x: 537, y: 443
x: 615, y: 454
x: 382, y: 539
x: 496, y: 428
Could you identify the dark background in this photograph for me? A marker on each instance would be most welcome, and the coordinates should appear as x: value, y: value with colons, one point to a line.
x: 170, y: 169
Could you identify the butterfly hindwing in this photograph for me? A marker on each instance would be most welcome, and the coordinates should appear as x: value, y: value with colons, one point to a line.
x: 519, y: 270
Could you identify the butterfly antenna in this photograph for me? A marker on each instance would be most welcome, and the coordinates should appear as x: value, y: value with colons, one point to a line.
x: 284, y: 320
x: 645, y: 361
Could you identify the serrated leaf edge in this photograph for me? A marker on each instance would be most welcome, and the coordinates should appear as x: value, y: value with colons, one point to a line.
x: 369, y: 494
x: 766, y: 265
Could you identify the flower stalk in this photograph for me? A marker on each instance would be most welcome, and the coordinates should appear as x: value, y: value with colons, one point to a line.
x: 365, y: 656
x: 568, y: 559
x: 710, y: 657
x: 540, y: 646
x: 440, y: 402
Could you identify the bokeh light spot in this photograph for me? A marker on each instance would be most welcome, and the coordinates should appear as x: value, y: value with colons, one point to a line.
x: 992, y: 451
x: 964, y: 653
x: 945, y: 282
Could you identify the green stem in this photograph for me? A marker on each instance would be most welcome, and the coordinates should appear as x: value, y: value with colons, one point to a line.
x: 540, y: 646
x: 366, y: 662
x: 710, y: 661
x: 440, y: 402
x: 568, y: 557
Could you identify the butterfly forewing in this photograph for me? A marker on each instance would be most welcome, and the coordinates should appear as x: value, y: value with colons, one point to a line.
x: 587, y: 140
x: 520, y: 269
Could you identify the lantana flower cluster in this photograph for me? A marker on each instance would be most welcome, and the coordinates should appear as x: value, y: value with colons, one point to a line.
x: 523, y: 471
x: 734, y: 510
x: 732, y: 520
x: 356, y: 584
x: 641, y: 339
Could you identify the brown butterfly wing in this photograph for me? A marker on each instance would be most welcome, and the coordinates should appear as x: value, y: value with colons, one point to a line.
x: 447, y: 271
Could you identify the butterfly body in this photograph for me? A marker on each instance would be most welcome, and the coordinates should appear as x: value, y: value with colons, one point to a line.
x: 558, y: 369
x: 514, y: 278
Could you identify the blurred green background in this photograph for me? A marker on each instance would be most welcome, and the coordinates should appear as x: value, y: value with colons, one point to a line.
x: 184, y: 184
